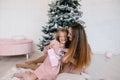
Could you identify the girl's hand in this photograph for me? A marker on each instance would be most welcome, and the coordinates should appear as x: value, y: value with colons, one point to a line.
x: 48, y: 47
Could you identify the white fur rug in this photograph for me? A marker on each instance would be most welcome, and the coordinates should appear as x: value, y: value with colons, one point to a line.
x: 9, y: 74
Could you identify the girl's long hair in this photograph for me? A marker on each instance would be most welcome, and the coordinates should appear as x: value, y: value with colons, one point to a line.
x: 79, y: 52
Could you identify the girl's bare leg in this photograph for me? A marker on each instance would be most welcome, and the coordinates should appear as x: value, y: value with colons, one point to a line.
x: 29, y: 76
x: 26, y: 66
x: 26, y: 76
x: 38, y: 60
x: 18, y: 75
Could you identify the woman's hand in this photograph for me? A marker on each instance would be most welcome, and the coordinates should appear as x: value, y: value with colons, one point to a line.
x: 64, y: 49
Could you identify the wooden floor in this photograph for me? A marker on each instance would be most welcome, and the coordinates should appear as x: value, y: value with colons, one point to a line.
x: 101, y: 67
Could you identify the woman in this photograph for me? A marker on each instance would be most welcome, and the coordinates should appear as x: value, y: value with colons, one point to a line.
x: 79, y: 55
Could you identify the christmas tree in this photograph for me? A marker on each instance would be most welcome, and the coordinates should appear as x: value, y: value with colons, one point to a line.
x: 62, y: 13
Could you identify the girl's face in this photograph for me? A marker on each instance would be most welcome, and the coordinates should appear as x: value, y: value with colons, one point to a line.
x: 70, y: 33
x: 62, y: 37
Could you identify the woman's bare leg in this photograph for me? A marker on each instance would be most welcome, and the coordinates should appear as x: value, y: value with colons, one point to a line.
x: 41, y: 58
x: 26, y: 66
x: 38, y: 60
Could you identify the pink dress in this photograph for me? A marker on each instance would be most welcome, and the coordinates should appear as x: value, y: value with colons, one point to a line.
x: 46, y: 70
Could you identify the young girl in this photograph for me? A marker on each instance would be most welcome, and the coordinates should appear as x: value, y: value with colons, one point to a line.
x: 46, y: 70
x: 34, y: 64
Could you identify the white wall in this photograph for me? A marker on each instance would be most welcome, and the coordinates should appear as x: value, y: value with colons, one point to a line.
x: 102, y: 18
x: 24, y: 17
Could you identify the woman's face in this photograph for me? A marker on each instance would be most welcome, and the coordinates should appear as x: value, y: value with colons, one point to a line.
x: 70, y: 33
x: 63, y: 37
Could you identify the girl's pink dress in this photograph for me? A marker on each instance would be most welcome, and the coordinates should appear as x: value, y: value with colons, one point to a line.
x: 46, y: 70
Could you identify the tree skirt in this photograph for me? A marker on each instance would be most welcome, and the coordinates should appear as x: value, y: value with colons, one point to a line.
x: 9, y: 74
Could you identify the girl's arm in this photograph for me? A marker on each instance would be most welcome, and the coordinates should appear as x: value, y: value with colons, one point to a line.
x: 55, y: 45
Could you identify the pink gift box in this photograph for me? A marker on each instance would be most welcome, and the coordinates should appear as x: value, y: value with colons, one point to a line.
x: 53, y: 57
